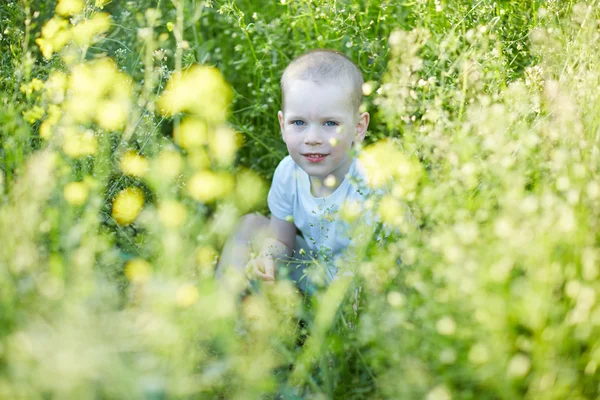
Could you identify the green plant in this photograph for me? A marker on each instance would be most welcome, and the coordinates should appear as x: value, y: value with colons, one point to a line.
x: 134, y: 135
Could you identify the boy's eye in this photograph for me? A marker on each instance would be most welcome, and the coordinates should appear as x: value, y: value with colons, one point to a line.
x: 298, y: 122
x: 331, y: 123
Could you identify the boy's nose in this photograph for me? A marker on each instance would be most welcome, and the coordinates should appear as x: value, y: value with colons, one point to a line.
x: 313, y: 137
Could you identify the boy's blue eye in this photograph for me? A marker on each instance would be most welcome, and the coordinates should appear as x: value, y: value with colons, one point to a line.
x: 331, y: 123
x: 298, y: 122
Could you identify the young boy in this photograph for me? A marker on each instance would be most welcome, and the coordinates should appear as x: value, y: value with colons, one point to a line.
x: 321, y: 124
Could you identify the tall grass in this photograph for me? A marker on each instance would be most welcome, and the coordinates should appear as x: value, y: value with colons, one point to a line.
x: 135, y: 134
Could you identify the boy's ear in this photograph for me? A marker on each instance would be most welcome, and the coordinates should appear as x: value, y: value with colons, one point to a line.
x: 361, y: 127
x: 280, y: 118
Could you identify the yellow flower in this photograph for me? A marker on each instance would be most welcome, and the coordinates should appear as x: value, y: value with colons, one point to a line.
x: 84, y: 33
x: 200, y: 90
x: 37, y: 84
x: 46, y: 129
x: 134, y: 164
x: 112, y: 114
x: 378, y: 160
x: 53, y: 27
x: 138, y: 270
x: 56, y: 84
x: 54, y: 115
x: 99, y: 92
x: 127, y: 205
x: 207, y: 186
x: 386, y: 163
x: 169, y: 164
x: 66, y: 8
x: 84, y: 80
x: 223, y: 145
x: 77, y: 145
x: 206, y: 257
x: 84, y: 92
x: 350, y: 210
x: 187, y: 295
x: 198, y: 158
x: 171, y: 213
x: 191, y: 133
x: 33, y: 114
x: 250, y: 190
x: 76, y: 193
x: 34, y: 86
x: 392, y: 212
x: 55, y: 35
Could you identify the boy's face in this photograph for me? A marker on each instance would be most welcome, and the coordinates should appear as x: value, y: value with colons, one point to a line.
x: 319, y: 126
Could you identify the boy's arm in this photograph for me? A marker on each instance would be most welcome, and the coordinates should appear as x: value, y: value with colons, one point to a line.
x: 281, y: 240
x: 279, y: 244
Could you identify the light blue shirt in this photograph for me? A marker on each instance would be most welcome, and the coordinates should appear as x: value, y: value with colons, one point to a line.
x: 317, y: 218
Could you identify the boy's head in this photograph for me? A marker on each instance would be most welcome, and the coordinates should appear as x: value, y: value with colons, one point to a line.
x: 325, y: 66
x: 321, y: 119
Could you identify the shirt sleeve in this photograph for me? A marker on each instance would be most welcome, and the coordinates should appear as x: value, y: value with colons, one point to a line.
x: 281, y: 194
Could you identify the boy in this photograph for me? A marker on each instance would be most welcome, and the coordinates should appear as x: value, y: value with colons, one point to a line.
x: 321, y: 124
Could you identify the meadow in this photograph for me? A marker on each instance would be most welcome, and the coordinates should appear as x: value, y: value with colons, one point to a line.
x: 134, y: 134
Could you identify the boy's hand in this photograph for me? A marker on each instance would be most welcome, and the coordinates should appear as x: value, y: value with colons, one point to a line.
x: 262, y: 267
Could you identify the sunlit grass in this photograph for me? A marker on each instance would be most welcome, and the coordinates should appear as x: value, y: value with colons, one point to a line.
x: 134, y: 136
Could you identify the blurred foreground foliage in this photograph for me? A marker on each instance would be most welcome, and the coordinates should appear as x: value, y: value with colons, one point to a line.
x: 122, y: 172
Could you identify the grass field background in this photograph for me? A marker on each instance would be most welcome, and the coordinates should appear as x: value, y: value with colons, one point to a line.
x: 134, y: 134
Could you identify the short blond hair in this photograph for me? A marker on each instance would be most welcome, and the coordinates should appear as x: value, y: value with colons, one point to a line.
x: 322, y: 65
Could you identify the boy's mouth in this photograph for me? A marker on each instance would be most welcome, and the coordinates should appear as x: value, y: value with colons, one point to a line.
x: 315, y: 157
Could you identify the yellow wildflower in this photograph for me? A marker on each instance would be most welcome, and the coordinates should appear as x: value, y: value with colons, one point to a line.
x: 77, y: 145
x: 187, y: 295
x: 138, y: 270
x: 84, y: 33
x: 66, y: 8
x: 34, y: 86
x: 172, y: 213
x: 99, y: 92
x: 112, y: 114
x: 55, y: 35
x: 191, y: 133
x: 37, y: 84
x: 392, y: 212
x: 33, y: 114
x: 169, y: 164
x: 198, y: 158
x: 386, y: 163
x: 127, y: 205
x: 76, y: 193
x: 56, y: 84
x: 250, y: 190
x: 133, y: 164
x: 200, y: 90
x: 206, y: 257
x: 223, y: 145
x: 54, y: 115
x: 207, y: 186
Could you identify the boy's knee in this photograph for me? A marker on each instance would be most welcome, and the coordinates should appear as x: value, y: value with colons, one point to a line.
x: 253, y: 220
x: 250, y: 225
